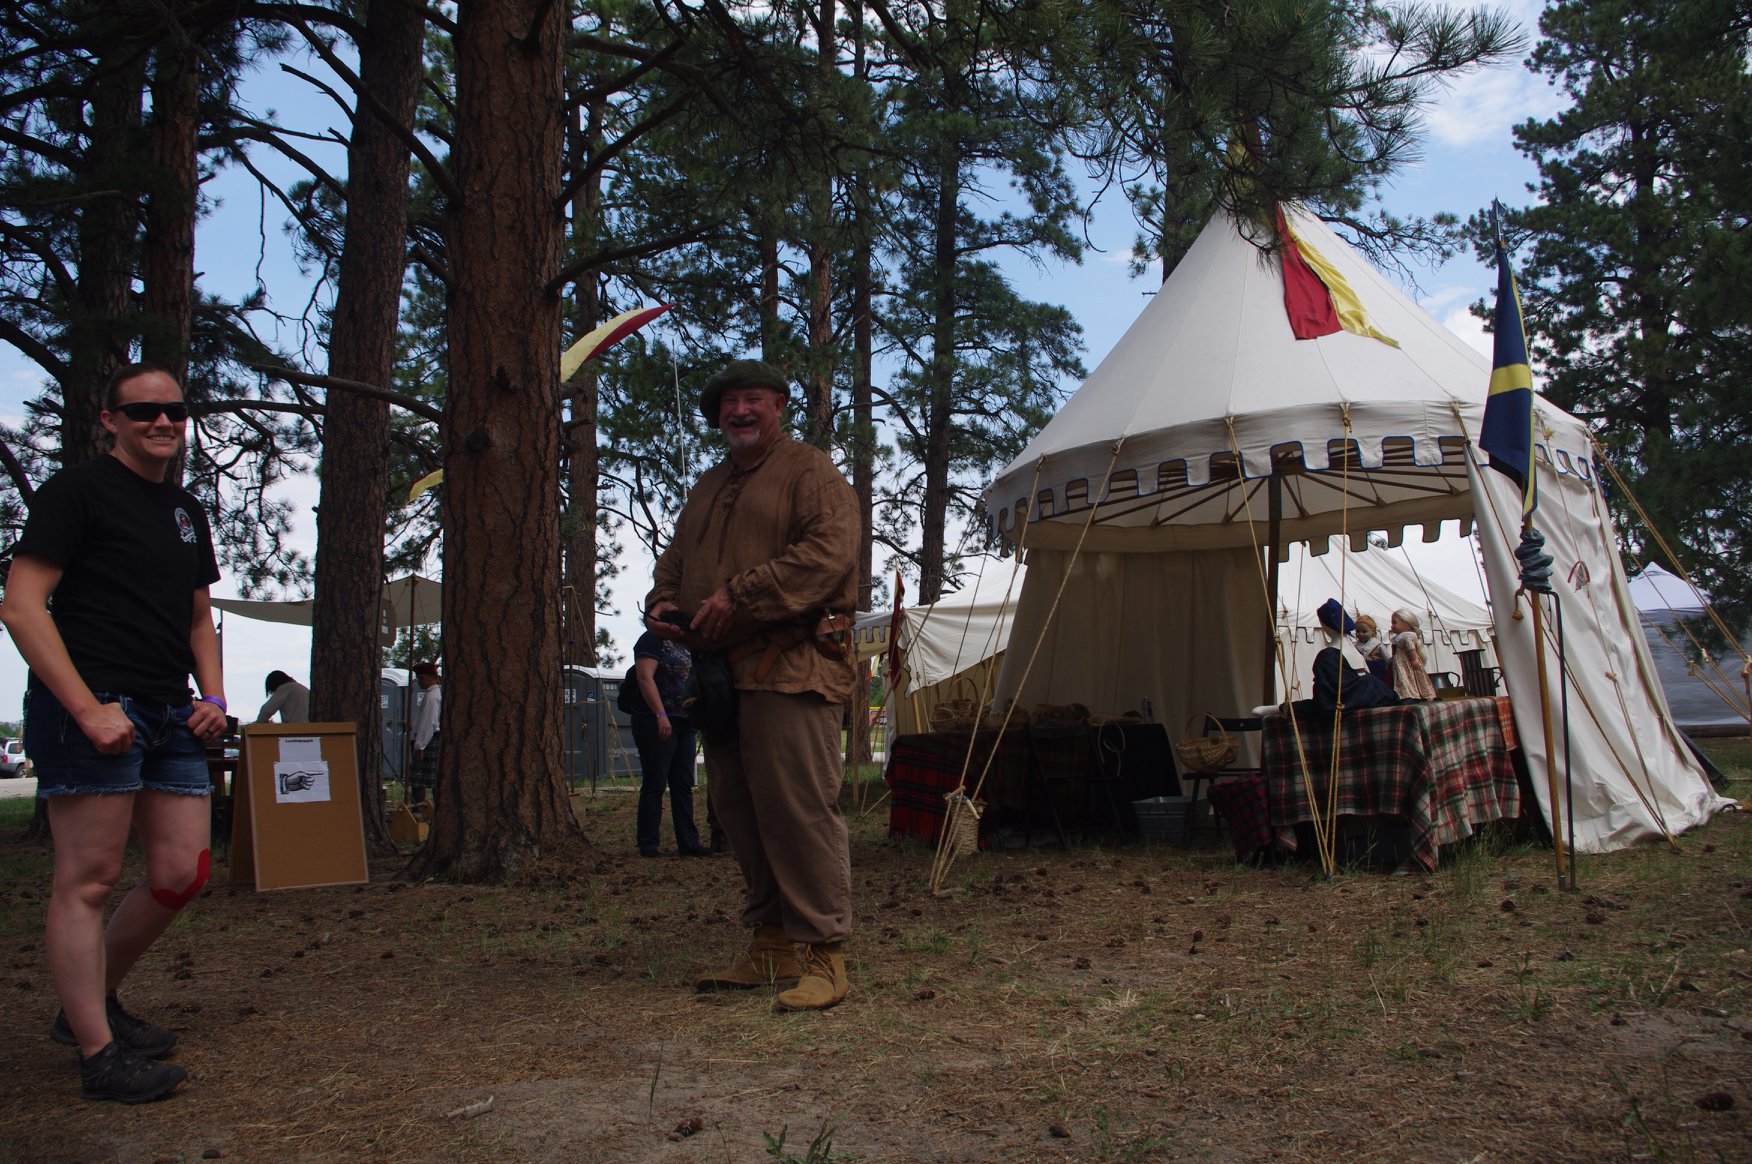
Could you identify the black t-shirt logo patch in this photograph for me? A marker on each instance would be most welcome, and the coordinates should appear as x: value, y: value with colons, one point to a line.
x: 185, y: 526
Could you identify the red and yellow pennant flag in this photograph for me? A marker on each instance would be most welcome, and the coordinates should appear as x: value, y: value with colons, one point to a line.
x: 602, y: 338
x: 1318, y: 299
x: 598, y: 340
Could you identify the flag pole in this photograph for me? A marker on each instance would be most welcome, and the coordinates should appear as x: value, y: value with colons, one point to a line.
x: 1507, y: 434
x: 1557, y: 846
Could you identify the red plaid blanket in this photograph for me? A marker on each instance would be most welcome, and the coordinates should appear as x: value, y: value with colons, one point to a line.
x: 1440, y: 767
x: 922, y: 767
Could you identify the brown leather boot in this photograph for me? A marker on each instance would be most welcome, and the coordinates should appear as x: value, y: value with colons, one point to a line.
x: 771, y: 958
x: 823, y: 983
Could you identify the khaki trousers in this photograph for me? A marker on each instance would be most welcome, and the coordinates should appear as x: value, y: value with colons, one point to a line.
x: 776, y: 790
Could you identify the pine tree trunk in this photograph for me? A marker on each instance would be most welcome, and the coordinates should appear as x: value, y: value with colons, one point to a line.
x: 167, y: 266
x: 102, y: 325
x: 934, y: 521
x: 820, y: 360
x: 502, y: 811
x: 583, y: 462
x: 353, y: 506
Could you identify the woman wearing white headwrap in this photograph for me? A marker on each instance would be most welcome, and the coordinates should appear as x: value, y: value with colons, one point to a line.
x: 1410, y: 679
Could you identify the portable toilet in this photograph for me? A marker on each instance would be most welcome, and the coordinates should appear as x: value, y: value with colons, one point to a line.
x: 598, y: 735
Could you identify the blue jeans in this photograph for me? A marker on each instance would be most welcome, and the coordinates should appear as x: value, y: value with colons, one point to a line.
x: 165, y: 756
x: 665, y: 764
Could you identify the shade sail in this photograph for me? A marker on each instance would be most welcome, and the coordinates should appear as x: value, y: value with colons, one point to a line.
x: 410, y: 600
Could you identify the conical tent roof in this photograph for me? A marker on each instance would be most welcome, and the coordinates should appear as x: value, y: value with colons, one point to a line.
x: 1210, y: 370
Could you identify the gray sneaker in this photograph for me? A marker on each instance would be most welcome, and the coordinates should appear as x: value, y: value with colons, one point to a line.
x: 131, y: 1031
x: 119, y: 1074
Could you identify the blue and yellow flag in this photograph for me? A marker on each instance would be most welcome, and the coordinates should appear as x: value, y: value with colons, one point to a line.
x: 1507, y: 434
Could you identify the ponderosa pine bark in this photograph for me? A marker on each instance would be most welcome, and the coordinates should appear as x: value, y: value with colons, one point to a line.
x: 167, y: 265
x: 501, y: 799
x: 354, y: 504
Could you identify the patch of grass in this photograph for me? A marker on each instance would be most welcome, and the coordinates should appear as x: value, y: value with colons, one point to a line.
x: 819, y: 1151
x: 1113, y: 1143
x: 16, y: 811
x: 1733, y: 755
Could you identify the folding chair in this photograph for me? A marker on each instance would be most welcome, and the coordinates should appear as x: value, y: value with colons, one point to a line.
x: 1233, y: 725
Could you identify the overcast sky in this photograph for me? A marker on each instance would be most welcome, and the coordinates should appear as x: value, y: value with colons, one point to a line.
x: 1468, y: 160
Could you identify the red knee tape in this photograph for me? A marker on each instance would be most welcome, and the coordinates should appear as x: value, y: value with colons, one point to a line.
x: 171, y: 900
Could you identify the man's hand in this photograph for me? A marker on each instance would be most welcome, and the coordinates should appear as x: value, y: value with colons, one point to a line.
x: 108, y: 728
x: 713, y: 617
x: 206, y: 721
x: 664, y: 731
x: 655, y: 623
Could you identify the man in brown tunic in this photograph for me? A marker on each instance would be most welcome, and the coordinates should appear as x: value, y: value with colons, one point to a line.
x: 766, y: 545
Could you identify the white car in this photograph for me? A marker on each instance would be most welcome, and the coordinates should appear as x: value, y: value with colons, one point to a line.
x: 12, y: 761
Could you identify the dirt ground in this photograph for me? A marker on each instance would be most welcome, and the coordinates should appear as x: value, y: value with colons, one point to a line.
x: 1110, y: 1003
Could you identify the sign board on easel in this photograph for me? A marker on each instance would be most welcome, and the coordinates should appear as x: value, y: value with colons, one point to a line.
x: 296, y: 820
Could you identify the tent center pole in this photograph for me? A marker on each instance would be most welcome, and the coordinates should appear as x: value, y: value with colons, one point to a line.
x: 1274, y: 530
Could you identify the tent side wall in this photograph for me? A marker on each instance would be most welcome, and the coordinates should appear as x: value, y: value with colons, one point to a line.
x: 1633, y: 775
x: 1187, y: 631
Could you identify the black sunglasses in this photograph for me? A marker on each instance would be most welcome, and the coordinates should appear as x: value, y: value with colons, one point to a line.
x: 146, y: 411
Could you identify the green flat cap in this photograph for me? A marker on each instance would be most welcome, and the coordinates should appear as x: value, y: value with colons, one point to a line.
x: 740, y: 374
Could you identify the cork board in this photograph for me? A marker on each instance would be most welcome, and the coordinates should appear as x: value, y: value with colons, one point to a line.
x: 296, y: 820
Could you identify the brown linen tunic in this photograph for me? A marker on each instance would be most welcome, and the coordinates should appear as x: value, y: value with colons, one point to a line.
x: 782, y: 537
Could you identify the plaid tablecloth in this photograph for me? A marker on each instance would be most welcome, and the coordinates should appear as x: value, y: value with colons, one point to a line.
x: 924, y: 766
x: 1440, y: 767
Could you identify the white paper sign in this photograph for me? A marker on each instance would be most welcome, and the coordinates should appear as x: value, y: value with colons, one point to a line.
x: 299, y: 748
x: 301, y: 782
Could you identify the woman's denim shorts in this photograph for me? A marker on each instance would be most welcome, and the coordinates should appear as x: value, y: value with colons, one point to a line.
x: 165, y: 757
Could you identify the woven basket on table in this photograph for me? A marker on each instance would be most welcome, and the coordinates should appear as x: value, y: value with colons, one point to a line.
x: 960, y: 713
x: 1206, y: 753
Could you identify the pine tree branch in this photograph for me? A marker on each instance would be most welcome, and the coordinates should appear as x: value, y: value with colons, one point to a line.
x: 336, y: 384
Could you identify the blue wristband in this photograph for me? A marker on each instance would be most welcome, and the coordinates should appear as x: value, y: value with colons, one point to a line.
x: 216, y: 700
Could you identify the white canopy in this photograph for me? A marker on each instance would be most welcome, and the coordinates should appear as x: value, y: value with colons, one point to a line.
x: 412, y: 600
x: 1660, y: 591
x: 1701, y: 675
x: 1208, y: 417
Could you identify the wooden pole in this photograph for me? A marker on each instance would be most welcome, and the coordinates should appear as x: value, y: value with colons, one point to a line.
x: 1557, y: 846
x: 1274, y: 530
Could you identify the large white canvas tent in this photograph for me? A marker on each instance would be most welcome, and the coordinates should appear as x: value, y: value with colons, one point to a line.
x: 1210, y: 432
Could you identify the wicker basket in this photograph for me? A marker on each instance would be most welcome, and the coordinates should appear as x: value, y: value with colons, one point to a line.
x: 960, y: 713
x: 961, y: 819
x: 1206, y: 753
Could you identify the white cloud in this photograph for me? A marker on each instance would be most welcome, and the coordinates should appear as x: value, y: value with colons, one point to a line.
x: 1481, y: 107
x: 1469, y: 328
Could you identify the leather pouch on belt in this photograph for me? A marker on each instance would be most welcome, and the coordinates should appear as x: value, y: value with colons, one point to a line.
x: 833, y: 636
